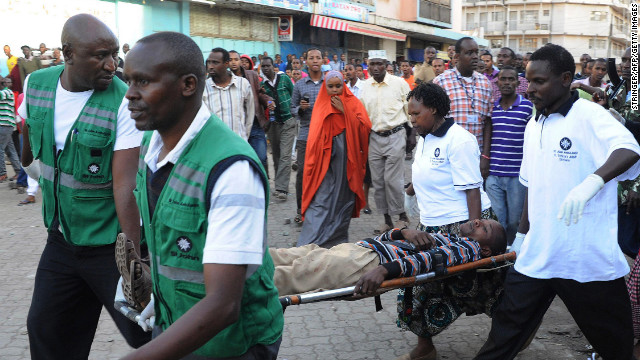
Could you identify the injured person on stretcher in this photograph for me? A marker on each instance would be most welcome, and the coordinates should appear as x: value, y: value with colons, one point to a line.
x: 396, y: 253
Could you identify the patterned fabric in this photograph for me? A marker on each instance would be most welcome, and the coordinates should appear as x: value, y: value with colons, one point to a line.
x: 281, y: 92
x: 407, y: 262
x: 7, y: 108
x: 507, y: 137
x: 233, y: 104
x: 430, y: 308
x: 521, y: 90
x: 621, y: 102
x: 467, y: 100
x: 633, y: 285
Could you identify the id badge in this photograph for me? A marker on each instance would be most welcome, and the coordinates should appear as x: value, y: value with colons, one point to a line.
x: 472, y: 119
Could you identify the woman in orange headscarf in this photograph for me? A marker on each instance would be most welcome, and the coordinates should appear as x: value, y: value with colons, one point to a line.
x: 334, y: 166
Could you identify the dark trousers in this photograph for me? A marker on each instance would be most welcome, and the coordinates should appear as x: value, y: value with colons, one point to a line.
x: 601, y: 309
x: 301, y: 149
x: 71, y: 286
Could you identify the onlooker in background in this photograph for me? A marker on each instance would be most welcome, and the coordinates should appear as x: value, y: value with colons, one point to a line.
x: 335, y: 63
x: 12, y: 60
x: 58, y: 59
x: 28, y: 64
x: 424, y: 72
x: 282, y: 127
x: 407, y: 74
x: 509, y: 119
x: 360, y: 72
x: 296, y: 64
x: 391, y: 69
x: 480, y: 67
x: 45, y: 55
x: 584, y: 73
x: 518, y: 63
x: 489, y: 71
x: 385, y: 98
x: 470, y: 95
x: 525, y: 61
x: 7, y: 126
x: 119, y: 67
x: 278, y: 63
x: 596, y: 80
x: 438, y: 66
x: 296, y: 75
x: 451, y: 51
x: 228, y: 96
x: 506, y: 56
x: 257, y: 137
x: 246, y: 62
x: 334, y: 166
x: 125, y: 49
x: 353, y: 83
x: 303, y: 99
x: 343, y: 61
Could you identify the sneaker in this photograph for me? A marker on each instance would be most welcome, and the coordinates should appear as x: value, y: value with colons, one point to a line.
x: 408, y: 157
x: 280, y: 195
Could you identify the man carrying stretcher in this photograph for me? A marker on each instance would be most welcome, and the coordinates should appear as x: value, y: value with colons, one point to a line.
x: 395, y: 253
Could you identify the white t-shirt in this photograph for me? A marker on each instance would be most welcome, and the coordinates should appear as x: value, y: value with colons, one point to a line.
x: 236, y: 233
x: 559, y: 153
x: 444, y: 167
x: 68, y: 106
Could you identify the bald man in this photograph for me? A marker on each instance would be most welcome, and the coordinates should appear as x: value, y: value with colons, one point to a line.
x: 86, y: 148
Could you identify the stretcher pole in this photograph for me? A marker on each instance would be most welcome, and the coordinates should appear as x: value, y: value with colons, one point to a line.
x: 395, y: 283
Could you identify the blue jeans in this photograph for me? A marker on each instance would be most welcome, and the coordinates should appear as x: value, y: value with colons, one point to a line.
x: 258, y: 141
x: 22, y: 177
x: 507, y: 199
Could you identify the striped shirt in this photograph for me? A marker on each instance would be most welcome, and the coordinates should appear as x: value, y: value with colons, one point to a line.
x: 470, y: 100
x: 233, y: 104
x: 508, y: 136
x: 401, y: 258
x: 7, y: 108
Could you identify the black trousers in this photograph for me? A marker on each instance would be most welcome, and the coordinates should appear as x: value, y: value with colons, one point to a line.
x: 71, y: 286
x: 301, y: 147
x: 601, y: 309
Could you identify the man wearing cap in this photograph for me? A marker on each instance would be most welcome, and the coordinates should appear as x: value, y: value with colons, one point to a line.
x: 28, y: 64
x: 385, y: 98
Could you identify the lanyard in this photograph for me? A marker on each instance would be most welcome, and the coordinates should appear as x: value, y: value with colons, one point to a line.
x: 473, y: 90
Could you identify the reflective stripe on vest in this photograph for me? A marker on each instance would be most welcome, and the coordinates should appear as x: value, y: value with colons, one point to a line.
x: 191, y: 174
x: 178, y: 274
x: 97, y: 122
x: 186, y: 189
x: 69, y: 181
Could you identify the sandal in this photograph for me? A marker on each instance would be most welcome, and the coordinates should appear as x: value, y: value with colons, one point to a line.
x: 3, y: 178
x: 298, y: 218
x: 136, y: 275
x: 433, y: 355
x: 29, y: 200
x: 382, y: 229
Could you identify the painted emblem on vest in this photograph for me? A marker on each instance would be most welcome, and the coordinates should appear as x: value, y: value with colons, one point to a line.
x: 94, y: 168
x: 184, y: 243
x: 437, y: 152
x: 565, y: 143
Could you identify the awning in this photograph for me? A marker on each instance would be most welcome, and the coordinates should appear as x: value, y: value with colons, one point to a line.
x: 355, y: 27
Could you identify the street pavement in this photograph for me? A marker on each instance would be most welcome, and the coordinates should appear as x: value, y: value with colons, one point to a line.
x: 328, y: 330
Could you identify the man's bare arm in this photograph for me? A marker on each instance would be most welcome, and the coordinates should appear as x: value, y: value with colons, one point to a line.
x: 217, y: 310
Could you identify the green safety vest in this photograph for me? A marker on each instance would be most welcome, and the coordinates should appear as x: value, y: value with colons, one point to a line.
x: 76, y: 181
x: 176, y: 236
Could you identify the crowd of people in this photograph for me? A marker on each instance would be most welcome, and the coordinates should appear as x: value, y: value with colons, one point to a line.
x: 522, y: 152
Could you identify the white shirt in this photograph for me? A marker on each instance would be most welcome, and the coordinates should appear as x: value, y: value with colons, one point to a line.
x: 559, y: 153
x: 233, y: 104
x: 235, y: 234
x: 444, y: 167
x: 357, y: 88
x: 68, y: 106
x: 386, y: 102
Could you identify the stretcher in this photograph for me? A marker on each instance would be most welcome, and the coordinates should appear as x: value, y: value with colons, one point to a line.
x: 487, y: 264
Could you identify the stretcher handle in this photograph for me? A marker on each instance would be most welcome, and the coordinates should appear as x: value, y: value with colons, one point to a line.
x: 394, y: 283
x: 124, y: 309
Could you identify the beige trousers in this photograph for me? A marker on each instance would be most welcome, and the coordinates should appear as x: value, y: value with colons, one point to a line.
x: 311, y: 268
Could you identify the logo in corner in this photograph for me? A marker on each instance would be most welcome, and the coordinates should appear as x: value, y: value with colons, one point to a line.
x: 184, y: 243
x: 94, y: 168
x: 565, y: 143
x: 437, y: 152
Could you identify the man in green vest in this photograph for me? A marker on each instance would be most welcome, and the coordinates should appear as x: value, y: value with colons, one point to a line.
x: 86, y: 146
x: 202, y: 194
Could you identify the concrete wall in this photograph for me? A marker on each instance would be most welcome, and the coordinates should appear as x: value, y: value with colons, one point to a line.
x: 404, y: 10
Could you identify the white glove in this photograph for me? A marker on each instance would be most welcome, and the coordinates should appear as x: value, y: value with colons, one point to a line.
x: 411, y: 206
x: 119, y: 293
x: 574, y: 203
x: 33, y: 170
x: 148, y: 316
x: 517, y: 243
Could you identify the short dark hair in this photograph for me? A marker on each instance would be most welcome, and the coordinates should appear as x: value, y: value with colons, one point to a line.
x: 267, y: 58
x: 602, y: 60
x: 558, y: 58
x: 234, y: 52
x: 315, y: 49
x: 438, y: 59
x: 432, y: 96
x: 404, y: 61
x: 188, y: 57
x: 359, y: 66
x: 345, y: 66
x: 485, y: 53
x: 460, y: 41
x: 225, y: 53
x: 508, y: 67
x: 513, y: 54
x: 499, y: 245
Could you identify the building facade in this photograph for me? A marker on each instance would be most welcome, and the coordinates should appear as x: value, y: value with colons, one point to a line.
x: 599, y: 28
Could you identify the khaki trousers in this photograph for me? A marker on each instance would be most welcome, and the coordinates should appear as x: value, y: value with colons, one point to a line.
x: 386, y: 161
x: 311, y: 268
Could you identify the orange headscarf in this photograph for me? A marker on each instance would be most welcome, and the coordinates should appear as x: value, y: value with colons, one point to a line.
x: 327, y: 122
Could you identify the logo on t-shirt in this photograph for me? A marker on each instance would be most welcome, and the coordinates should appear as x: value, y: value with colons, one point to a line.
x: 563, y: 154
x: 565, y: 143
x: 94, y: 168
x: 437, y: 152
x: 184, y: 243
x: 436, y: 160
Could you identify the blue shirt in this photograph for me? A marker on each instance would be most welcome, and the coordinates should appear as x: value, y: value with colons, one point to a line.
x: 304, y: 86
x: 507, y: 137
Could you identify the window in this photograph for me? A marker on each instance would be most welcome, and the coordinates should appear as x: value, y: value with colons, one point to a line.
x: 529, y: 16
x: 483, y: 19
x: 471, y: 21
x: 598, y: 15
x: 597, y: 44
x: 545, y: 12
x: 544, y: 41
x: 496, y: 43
x: 497, y: 16
x: 528, y: 44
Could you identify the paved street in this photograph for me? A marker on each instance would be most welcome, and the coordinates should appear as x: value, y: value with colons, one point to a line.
x: 329, y: 330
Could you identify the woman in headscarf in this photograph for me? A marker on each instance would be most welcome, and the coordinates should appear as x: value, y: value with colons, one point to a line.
x: 246, y: 62
x: 334, y: 167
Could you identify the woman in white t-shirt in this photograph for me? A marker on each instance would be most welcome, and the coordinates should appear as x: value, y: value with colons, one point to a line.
x: 447, y: 182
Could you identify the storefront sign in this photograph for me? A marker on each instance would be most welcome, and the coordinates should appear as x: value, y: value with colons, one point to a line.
x: 285, y: 28
x: 343, y: 10
x: 300, y: 5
